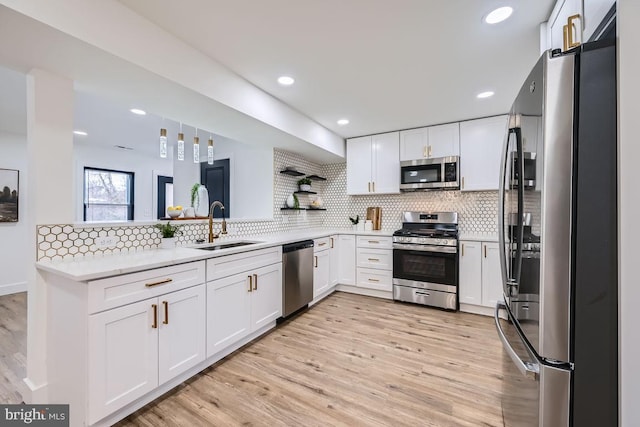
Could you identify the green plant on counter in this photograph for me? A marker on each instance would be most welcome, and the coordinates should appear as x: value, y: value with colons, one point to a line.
x: 167, y: 230
x: 355, y: 220
x: 304, y: 181
x: 194, y: 194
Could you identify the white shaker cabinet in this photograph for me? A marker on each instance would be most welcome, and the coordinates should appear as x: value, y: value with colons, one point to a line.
x: 594, y: 12
x: 137, y: 347
x: 480, y: 276
x: 430, y: 142
x: 334, y: 262
x: 491, y: 274
x: 559, y: 18
x: 242, y: 303
x: 347, y: 259
x: 373, y: 164
x: 481, y: 144
x: 123, y: 357
x: 321, y: 268
x: 470, y: 273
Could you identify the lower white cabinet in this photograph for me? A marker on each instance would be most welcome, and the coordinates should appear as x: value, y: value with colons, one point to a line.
x: 334, y: 261
x: 240, y: 304
x: 347, y: 259
x: 374, y: 261
x: 480, y: 276
x: 321, y: 272
x: 135, y: 348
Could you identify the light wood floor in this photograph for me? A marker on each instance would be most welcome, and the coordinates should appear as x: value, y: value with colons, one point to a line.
x: 349, y: 361
x: 13, y: 347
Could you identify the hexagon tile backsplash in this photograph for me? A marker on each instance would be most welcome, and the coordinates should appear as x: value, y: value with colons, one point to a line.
x: 477, y: 214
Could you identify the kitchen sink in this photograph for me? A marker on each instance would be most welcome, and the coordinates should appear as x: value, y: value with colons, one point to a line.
x: 217, y: 247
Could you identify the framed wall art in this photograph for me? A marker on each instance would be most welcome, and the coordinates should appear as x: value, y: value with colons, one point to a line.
x: 9, y: 182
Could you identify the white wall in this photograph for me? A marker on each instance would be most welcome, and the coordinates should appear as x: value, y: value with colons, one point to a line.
x: 14, y: 236
x: 629, y: 93
x: 141, y: 164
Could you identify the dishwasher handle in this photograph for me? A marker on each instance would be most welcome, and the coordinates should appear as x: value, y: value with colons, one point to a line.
x: 291, y: 247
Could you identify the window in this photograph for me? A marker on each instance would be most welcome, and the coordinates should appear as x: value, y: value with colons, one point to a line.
x: 108, y: 195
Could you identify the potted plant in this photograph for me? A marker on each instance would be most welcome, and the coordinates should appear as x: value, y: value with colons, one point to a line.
x: 304, y: 184
x: 169, y: 233
x: 354, y: 222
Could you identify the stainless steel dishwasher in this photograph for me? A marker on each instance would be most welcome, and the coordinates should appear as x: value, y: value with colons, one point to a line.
x: 297, y: 276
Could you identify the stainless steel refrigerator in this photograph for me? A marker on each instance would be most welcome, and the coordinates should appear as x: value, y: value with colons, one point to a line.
x: 558, y: 239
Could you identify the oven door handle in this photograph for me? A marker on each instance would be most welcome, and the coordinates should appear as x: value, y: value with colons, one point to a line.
x: 426, y: 248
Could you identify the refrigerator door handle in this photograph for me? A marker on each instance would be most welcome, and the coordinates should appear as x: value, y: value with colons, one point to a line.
x: 528, y: 369
x: 506, y: 280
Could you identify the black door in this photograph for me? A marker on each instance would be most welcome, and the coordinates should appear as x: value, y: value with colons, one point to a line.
x: 216, y: 178
x: 165, y: 185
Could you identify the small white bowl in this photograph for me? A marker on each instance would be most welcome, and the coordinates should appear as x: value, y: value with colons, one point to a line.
x: 174, y: 213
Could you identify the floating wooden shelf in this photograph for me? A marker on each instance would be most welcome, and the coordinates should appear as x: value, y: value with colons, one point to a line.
x: 316, y: 178
x: 291, y: 172
x: 182, y: 218
x: 304, y: 192
x: 302, y: 209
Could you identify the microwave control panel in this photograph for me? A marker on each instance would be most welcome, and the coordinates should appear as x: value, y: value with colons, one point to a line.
x: 451, y: 172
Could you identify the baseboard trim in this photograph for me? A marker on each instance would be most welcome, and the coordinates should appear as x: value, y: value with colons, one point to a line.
x: 35, y: 394
x: 13, y: 288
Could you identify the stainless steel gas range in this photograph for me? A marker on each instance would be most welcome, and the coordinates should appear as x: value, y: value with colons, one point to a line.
x: 425, y: 259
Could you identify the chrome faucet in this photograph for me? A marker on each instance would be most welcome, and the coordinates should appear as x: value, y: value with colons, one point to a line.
x: 224, y: 223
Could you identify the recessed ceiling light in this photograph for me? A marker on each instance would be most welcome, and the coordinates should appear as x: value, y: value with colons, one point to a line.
x: 487, y: 94
x: 138, y: 111
x: 343, y: 122
x: 498, y: 15
x: 80, y: 132
x: 286, y: 80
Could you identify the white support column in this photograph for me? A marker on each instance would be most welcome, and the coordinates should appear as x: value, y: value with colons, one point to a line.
x: 629, y: 198
x: 50, y: 200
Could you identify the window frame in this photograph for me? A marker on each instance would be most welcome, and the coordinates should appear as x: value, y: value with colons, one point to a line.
x: 130, y: 205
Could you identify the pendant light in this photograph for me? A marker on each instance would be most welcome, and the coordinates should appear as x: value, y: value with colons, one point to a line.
x: 163, y: 143
x: 196, y: 149
x: 210, y: 151
x: 180, y: 144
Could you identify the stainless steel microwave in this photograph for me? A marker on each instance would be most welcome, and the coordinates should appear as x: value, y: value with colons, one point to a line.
x: 442, y: 173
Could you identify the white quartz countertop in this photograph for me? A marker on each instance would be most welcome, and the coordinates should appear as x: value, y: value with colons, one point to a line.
x: 480, y: 237
x: 101, y: 266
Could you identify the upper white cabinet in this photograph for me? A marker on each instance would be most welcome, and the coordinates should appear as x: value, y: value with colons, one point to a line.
x: 481, y: 144
x: 428, y: 142
x: 558, y: 20
x: 590, y: 13
x: 594, y: 13
x: 373, y: 164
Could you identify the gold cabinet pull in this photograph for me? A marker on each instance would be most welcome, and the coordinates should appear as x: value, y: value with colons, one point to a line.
x: 424, y: 151
x: 571, y: 43
x: 462, y: 250
x: 166, y: 313
x: 373, y: 259
x: 322, y: 244
x: 373, y: 185
x: 160, y: 282
x: 462, y: 182
x: 369, y: 186
x: 331, y: 242
x: 250, y: 283
x: 430, y: 151
x: 565, y: 37
x: 485, y: 251
x: 374, y: 241
x: 373, y: 280
x: 316, y: 260
x: 155, y: 316
x: 255, y: 282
